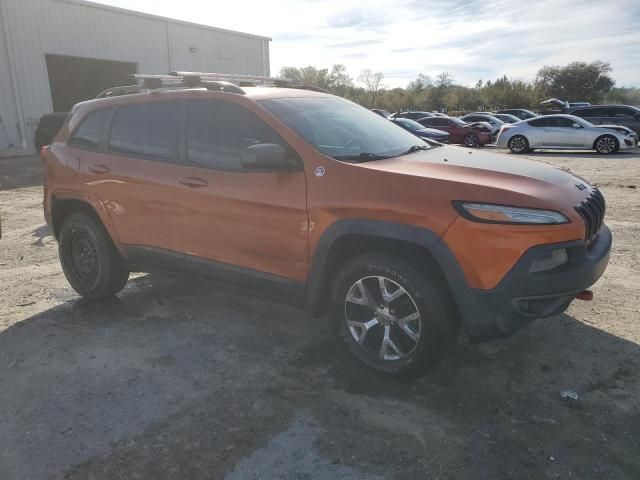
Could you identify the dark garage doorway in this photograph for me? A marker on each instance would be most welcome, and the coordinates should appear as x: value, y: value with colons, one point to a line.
x: 75, y: 79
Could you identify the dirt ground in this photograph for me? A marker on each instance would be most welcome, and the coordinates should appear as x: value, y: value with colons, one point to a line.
x: 179, y: 379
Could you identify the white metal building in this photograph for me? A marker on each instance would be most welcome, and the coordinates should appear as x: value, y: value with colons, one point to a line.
x: 54, y: 53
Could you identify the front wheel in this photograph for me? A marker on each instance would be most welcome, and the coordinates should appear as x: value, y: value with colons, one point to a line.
x: 471, y: 140
x: 89, y: 260
x: 518, y: 144
x: 391, y: 317
x: 606, y: 144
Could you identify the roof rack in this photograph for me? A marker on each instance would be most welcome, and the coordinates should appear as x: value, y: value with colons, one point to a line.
x: 225, y: 82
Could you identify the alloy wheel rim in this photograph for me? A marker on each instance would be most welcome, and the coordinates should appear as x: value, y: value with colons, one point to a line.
x: 518, y: 144
x: 383, y: 318
x: 606, y: 145
x: 471, y: 140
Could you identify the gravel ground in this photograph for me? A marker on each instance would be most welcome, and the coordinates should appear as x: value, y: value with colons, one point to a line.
x: 179, y: 379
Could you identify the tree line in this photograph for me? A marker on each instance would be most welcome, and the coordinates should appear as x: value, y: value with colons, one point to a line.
x: 574, y: 82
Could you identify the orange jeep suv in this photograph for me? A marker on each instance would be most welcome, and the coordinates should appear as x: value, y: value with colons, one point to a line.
x: 314, y: 198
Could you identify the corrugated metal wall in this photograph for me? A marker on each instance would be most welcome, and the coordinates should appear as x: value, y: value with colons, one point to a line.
x: 37, y: 27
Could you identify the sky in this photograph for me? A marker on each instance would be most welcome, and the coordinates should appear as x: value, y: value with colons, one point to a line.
x: 471, y: 39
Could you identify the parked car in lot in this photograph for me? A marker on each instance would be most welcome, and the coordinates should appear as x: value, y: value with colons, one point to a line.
x: 414, y: 115
x: 521, y: 113
x: 421, y: 131
x: 475, y: 135
x: 321, y: 201
x: 48, y: 127
x: 382, y: 113
x: 565, y: 132
x: 495, y: 123
x: 506, y: 117
x: 610, y: 115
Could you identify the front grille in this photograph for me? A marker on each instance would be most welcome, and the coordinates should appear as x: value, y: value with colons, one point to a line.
x: 592, y: 212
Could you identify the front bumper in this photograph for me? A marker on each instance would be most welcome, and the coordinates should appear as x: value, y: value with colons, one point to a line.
x: 523, y: 296
x: 630, y: 141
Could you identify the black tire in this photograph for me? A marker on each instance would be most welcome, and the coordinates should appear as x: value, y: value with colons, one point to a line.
x: 606, y: 144
x: 437, y: 327
x: 518, y: 144
x: 471, y: 140
x: 89, y: 260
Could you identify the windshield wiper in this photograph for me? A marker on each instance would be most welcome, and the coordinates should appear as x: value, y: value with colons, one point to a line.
x: 419, y: 148
x: 361, y: 157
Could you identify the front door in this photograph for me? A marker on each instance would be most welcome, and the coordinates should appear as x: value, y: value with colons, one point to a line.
x: 234, y: 217
x: 562, y: 133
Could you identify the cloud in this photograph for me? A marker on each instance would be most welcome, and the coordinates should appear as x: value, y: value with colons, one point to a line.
x: 471, y: 39
x: 356, y: 43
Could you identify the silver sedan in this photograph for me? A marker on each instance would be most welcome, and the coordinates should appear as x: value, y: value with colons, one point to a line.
x: 565, y: 132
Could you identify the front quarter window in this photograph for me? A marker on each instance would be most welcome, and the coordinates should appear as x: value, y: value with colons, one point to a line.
x: 341, y: 129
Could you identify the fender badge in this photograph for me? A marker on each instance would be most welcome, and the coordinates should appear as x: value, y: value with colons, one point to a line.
x: 580, y: 186
x: 320, y: 171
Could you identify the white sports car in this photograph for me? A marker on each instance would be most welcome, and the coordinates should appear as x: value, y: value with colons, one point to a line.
x: 565, y: 132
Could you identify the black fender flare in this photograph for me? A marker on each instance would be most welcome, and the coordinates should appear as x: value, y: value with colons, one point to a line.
x: 421, y: 237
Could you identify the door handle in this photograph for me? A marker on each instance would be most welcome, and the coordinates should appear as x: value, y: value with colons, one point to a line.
x: 193, y: 182
x: 99, y: 169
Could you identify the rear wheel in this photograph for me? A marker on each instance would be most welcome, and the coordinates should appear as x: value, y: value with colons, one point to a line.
x: 518, y: 144
x: 471, y: 140
x: 606, y: 144
x: 89, y: 260
x: 391, y: 317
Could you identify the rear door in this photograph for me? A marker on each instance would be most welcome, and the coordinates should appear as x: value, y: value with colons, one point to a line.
x: 595, y: 115
x: 625, y: 116
x: 133, y: 173
x: 247, y: 219
x: 444, y: 124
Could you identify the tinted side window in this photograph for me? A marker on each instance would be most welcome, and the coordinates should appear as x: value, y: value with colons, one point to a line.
x: 436, y: 122
x: 219, y: 131
x: 591, y: 112
x: 148, y: 130
x: 88, y: 135
x: 623, y: 112
x: 539, y: 122
x: 563, y: 122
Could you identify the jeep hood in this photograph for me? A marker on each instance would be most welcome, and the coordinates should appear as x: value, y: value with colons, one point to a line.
x: 473, y: 173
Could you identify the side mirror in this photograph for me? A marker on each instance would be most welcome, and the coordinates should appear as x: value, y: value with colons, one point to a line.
x: 576, y: 125
x: 264, y: 156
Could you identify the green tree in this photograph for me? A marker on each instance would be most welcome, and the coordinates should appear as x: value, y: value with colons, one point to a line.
x: 421, y: 83
x: 577, y: 81
x: 340, y: 80
x: 372, y: 83
x: 290, y: 73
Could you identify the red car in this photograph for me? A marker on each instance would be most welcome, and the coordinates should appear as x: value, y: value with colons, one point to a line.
x: 468, y: 134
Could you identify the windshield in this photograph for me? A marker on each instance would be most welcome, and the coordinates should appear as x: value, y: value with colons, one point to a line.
x: 457, y: 121
x: 410, y: 124
x: 341, y: 129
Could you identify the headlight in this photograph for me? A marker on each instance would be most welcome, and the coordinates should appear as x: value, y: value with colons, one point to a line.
x: 489, y: 213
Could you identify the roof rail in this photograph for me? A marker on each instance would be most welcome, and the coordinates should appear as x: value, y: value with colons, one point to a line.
x: 231, y: 77
x: 311, y: 88
x: 226, y: 82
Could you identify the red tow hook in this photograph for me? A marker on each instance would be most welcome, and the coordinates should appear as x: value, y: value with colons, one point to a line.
x: 586, y: 295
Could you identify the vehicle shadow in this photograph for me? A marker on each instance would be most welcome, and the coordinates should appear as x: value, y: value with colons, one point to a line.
x: 20, y: 172
x: 173, y: 371
x: 40, y: 233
